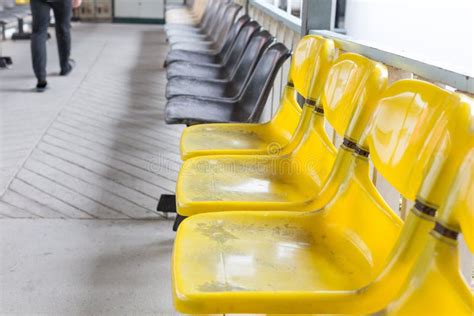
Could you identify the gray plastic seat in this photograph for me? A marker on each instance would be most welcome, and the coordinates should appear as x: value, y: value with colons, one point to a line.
x: 248, y: 108
x: 217, y: 71
x: 218, y: 58
x: 210, y: 25
x: 207, y: 18
x: 215, y: 39
x: 209, y: 14
x: 223, y: 89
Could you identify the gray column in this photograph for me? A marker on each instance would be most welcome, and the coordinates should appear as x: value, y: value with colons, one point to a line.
x: 318, y: 15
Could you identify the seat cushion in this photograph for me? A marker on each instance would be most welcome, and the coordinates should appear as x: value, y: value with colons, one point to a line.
x: 190, y: 47
x: 183, y: 21
x: 189, y: 31
x: 231, y: 139
x: 192, y: 57
x: 195, y: 46
x: 178, y: 86
x: 263, y: 262
x: 181, y: 27
x: 186, y: 37
x: 188, y: 69
x: 242, y: 182
x: 191, y: 110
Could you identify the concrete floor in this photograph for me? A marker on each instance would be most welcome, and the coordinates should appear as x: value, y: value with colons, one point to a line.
x: 85, y: 267
x: 81, y: 168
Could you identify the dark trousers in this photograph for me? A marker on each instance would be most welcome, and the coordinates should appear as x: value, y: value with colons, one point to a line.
x: 62, y: 14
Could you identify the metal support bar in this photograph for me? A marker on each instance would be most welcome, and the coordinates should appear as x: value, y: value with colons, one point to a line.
x: 460, y: 81
x: 318, y: 15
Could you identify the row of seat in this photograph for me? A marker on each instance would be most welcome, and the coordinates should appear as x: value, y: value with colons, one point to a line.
x: 12, y: 15
x: 182, y: 14
x: 221, y: 70
x: 282, y: 221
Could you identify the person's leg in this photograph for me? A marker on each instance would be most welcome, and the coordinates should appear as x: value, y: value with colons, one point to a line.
x: 40, y: 12
x: 62, y: 14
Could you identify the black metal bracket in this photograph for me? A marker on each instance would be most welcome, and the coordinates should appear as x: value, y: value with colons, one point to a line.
x: 167, y: 203
x: 177, y: 221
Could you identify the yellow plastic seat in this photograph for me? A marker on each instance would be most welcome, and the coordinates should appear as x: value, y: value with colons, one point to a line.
x: 349, y: 256
x: 293, y: 178
x: 435, y: 285
x: 312, y: 58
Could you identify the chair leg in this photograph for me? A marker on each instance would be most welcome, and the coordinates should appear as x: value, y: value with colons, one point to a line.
x: 167, y: 203
x: 4, y: 36
x: 177, y: 221
x: 21, y: 34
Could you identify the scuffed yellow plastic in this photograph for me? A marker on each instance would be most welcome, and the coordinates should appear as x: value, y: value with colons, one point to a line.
x: 435, y: 285
x: 349, y: 256
x: 294, y: 178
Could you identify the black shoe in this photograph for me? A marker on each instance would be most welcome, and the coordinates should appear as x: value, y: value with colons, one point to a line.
x: 70, y: 66
x: 41, y: 86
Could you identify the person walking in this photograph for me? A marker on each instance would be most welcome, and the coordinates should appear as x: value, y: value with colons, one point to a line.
x: 40, y: 10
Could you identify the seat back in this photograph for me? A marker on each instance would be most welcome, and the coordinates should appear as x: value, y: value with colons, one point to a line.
x: 254, y: 49
x: 411, y: 115
x: 412, y: 125
x: 405, y: 132
x: 456, y: 155
x: 353, y: 81
x: 234, y: 56
x: 435, y: 284
x: 228, y: 20
x: 199, y: 7
x: 257, y: 89
x: 232, y: 36
x: 311, y: 61
x: 210, y: 13
x: 312, y: 58
x: 216, y: 22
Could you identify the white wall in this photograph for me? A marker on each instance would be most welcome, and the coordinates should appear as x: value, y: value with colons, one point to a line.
x: 139, y: 9
x: 437, y: 31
